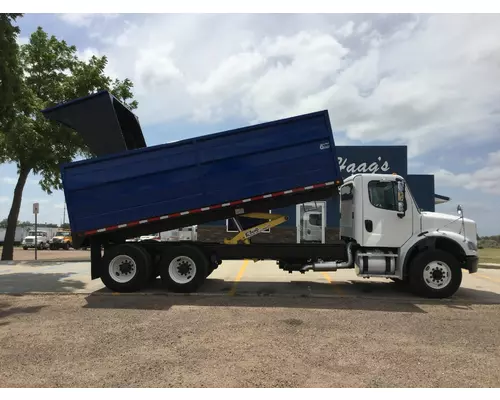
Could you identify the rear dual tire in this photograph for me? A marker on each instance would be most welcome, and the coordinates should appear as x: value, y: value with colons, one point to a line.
x: 129, y: 268
x: 183, y: 269
x: 125, y: 268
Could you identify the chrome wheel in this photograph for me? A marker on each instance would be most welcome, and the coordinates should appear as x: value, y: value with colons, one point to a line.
x: 182, y: 270
x: 122, y: 268
x: 437, y: 274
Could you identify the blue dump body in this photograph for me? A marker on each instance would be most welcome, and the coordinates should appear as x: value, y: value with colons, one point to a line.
x: 147, y: 182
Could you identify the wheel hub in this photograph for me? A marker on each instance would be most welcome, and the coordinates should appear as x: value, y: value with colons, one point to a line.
x: 184, y: 268
x: 437, y: 274
x: 122, y: 268
x: 125, y: 268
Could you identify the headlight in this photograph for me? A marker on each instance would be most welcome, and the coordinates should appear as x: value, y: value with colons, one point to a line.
x: 471, y: 245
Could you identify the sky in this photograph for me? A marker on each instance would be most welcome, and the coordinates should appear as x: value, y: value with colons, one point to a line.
x: 426, y: 81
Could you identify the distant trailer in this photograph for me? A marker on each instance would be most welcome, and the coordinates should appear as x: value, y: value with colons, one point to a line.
x: 19, y: 235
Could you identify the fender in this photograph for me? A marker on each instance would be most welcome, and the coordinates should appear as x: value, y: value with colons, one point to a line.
x: 448, y: 241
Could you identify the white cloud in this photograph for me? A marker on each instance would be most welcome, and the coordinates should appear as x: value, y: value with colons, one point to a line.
x: 347, y: 29
x: 424, y: 81
x: 87, y: 53
x: 4, y: 199
x: 84, y: 20
x: 485, y: 179
x: 363, y: 27
x: 473, y: 160
x: 22, y: 40
x: 9, y: 180
x: 59, y: 206
x: 31, y: 201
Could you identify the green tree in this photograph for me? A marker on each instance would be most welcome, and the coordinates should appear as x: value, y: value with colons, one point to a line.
x: 10, y: 76
x: 52, y: 73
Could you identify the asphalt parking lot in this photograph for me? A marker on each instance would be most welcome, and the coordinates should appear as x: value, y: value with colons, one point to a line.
x: 251, y: 325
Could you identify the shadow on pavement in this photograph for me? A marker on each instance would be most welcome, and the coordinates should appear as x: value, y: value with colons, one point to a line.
x: 165, y: 302
x: 351, y: 295
x: 6, y: 311
x: 41, y: 282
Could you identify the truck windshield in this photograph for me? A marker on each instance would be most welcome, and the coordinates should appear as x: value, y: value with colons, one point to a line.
x: 62, y: 233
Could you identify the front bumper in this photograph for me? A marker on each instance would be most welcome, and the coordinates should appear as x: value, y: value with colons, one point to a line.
x: 471, y: 263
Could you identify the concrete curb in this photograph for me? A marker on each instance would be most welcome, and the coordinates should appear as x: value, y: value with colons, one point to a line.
x: 33, y: 263
x: 489, y: 266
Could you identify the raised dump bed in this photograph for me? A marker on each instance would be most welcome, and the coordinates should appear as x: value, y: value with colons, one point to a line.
x: 130, y: 189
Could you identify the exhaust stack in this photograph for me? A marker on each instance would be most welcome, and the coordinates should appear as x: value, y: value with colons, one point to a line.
x: 106, y: 125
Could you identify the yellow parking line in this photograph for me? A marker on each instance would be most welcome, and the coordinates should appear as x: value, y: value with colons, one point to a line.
x: 232, y: 292
x: 487, y: 277
x: 336, y: 287
x: 327, y: 277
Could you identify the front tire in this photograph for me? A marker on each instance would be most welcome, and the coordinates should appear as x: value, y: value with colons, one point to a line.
x: 183, y: 269
x: 435, y: 274
x: 125, y: 268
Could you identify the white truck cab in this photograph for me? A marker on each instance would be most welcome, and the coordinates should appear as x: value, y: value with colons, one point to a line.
x: 42, y: 240
x: 392, y: 238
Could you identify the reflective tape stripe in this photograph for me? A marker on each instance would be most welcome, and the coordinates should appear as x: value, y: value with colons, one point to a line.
x: 216, y: 206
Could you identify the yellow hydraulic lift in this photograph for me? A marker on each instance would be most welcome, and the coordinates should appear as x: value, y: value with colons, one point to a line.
x: 244, y: 236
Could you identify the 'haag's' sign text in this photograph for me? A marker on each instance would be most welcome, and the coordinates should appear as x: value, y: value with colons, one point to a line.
x: 363, y: 167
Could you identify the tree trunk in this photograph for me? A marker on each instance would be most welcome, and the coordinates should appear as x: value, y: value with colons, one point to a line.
x: 10, y: 234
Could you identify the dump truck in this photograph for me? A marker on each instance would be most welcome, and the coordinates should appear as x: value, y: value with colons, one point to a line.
x: 129, y: 189
x: 61, y: 240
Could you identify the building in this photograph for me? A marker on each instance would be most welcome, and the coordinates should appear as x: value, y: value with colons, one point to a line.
x: 318, y: 221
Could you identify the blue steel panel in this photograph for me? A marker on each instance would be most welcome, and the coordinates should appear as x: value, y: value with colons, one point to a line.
x: 422, y: 188
x: 199, y: 172
x: 373, y: 159
x: 360, y: 159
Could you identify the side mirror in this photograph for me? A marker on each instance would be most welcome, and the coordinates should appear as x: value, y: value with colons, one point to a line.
x: 401, y: 198
x: 460, y: 210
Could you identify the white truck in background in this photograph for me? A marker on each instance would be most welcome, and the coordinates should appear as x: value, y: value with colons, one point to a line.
x: 311, y: 226
x: 188, y: 233
x: 42, y: 240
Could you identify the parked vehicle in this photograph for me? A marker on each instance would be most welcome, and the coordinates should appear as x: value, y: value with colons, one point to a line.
x: 18, y: 236
x: 130, y: 190
x: 41, y: 238
x: 61, y: 240
x: 174, y: 235
x: 311, y: 226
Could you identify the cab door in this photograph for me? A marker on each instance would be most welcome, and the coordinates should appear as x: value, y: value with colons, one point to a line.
x: 383, y: 225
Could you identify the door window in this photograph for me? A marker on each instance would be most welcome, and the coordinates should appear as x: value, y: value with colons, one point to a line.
x: 315, y: 219
x: 383, y: 195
